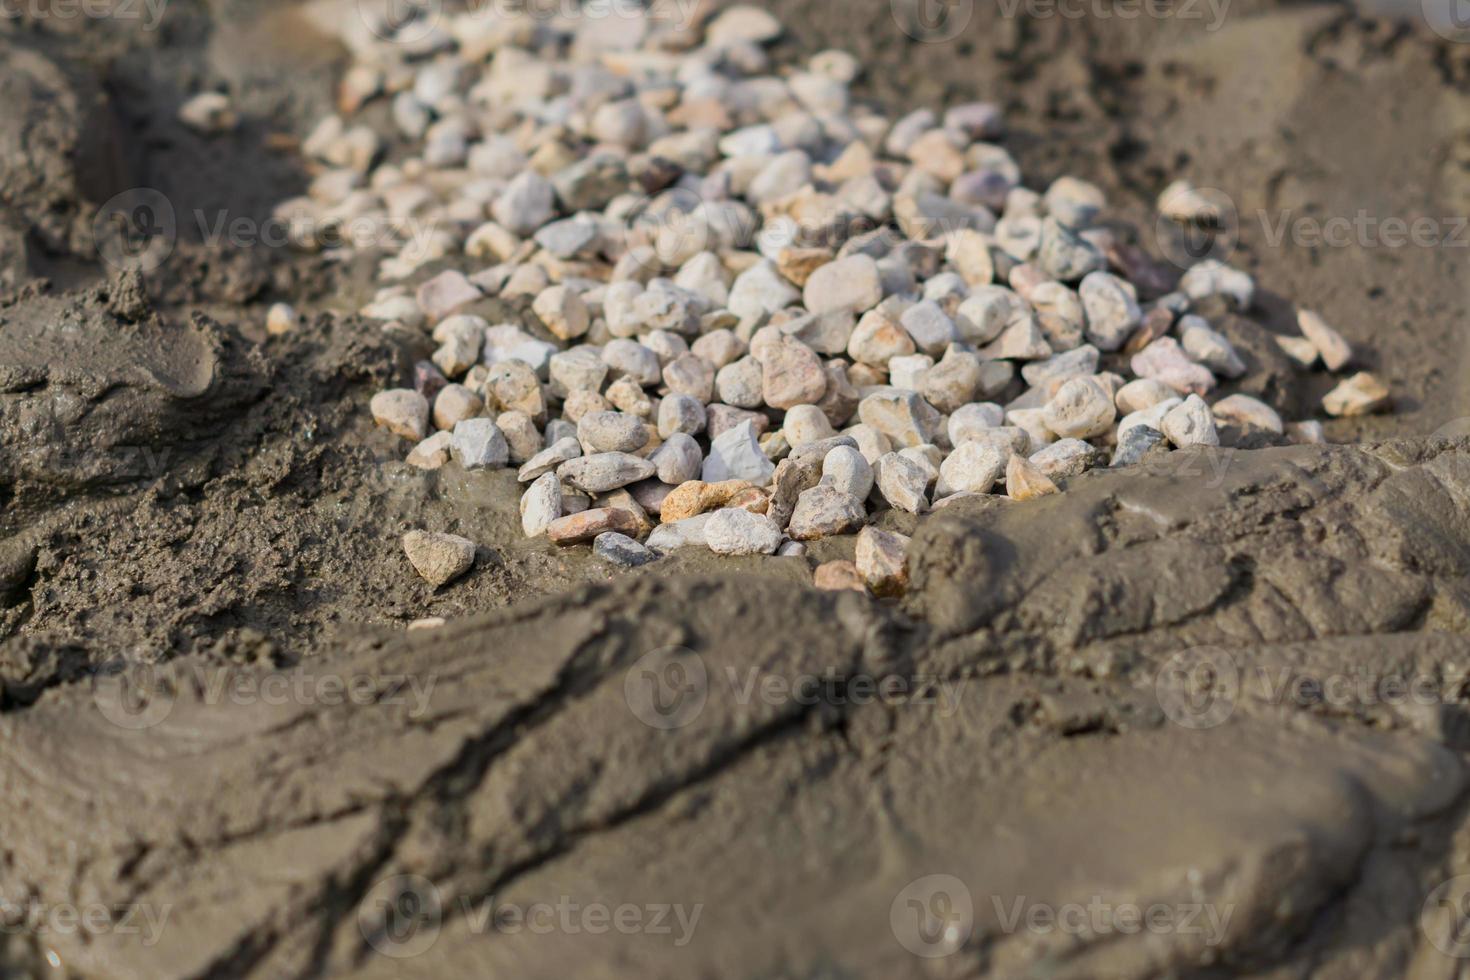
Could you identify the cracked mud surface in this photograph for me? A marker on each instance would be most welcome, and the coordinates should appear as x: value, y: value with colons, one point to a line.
x: 201, y: 543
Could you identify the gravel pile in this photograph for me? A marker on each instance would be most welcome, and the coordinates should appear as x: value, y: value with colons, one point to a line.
x: 758, y: 311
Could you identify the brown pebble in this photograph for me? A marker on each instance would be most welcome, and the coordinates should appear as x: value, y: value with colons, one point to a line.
x: 696, y: 497
x: 1156, y: 323
x: 1362, y: 394
x: 882, y: 559
x: 1025, y: 482
x: 835, y: 576
x: 578, y: 528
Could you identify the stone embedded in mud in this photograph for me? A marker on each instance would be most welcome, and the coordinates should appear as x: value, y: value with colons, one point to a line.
x: 438, y: 558
x: 209, y: 113
x: 1191, y: 424
x: 578, y: 528
x: 280, y: 319
x: 540, y: 504
x: 1067, y: 457
x: 839, y: 576
x: 402, y: 411
x: 1328, y: 343
x: 1245, y: 411
x: 1134, y: 444
x: 1024, y: 481
x: 823, y: 511
x: 882, y: 561
x: 619, y: 549
x: 1362, y: 394
x: 479, y: 444
x: 432, y: 453
x: 688, y: 533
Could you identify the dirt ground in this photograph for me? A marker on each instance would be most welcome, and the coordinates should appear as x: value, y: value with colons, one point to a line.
x: 217, y: 728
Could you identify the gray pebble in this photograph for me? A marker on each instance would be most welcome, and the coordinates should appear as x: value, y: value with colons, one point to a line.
x: 602, y: 472
x: 846, y: 469
x: 611, y: 432
x: 736, y: 455
x: 823, y: 511
x: 479, y: 444
x: 680, y: 413
x: 619, y: 549
x: 540, y: 505
x: 560, y: 451
x: 903, y: 482
x: 678, y: 460
x: 1134, y: 444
